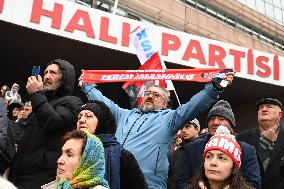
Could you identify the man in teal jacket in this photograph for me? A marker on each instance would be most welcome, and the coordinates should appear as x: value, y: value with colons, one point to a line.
x: 148, y: 131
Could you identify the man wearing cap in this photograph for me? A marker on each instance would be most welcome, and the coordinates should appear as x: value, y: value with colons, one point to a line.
x: 189, y: 133
x: 268, y: 139
x: 21, y: 123
x: 14, y: 109
x: 220, y: 114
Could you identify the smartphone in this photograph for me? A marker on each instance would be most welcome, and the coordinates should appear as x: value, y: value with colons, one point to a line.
x: 36, y: 71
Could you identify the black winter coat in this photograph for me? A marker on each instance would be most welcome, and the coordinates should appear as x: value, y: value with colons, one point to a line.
x: 273, y: 177
x: 131, y: 176
x: 7, y: 140
x: 53, y: 115
x: 175, y: 164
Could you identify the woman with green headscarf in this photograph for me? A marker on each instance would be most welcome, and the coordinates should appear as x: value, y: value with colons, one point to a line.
x: 82, y: 163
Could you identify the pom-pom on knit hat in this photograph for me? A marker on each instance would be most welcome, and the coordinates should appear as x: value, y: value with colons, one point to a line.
x: 225, y: 142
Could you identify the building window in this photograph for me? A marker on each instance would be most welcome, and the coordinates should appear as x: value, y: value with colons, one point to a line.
x: 211, y: 12
x: 278, y: 14
x: 84, y: 2
x: 260, y: 7
x: 269, y: 10
x: 231, y: 21
x: 251, y: 4
x: 132, y: 16
x: 201, y: 7
x: 277, y: 3
x: 221, y: 17
x: 103, y: 6
x: 191, y: 3
x: 120, y: 12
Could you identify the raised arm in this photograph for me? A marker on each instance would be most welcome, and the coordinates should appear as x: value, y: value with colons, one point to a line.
x: 198, y: 104
x: 93, y: 93
x: 57, y: 114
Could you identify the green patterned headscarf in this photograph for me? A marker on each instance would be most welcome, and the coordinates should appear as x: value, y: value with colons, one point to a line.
x: 90, y: 169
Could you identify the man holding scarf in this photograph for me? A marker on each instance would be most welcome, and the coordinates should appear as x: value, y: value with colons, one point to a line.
x: 148, y: 131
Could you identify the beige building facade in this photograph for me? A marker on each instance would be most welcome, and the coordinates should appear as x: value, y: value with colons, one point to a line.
x: 228, y: 21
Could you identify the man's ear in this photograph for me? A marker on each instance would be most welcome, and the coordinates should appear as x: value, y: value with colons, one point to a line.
x: 165, y: 104
x: 169, y: 94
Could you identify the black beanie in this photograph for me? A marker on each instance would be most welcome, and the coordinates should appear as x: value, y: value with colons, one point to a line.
x: 223, y: 109
x: 106, y: 122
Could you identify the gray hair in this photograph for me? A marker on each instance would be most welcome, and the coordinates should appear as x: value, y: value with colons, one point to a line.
x: 165, y: 96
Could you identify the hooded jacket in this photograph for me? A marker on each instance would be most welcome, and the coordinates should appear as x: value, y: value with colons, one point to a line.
x: 54, y: 114
x: 10, y: 95
x: 148, y: 135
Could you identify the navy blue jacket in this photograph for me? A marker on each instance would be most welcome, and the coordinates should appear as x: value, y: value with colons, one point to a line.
x: 192, y: 160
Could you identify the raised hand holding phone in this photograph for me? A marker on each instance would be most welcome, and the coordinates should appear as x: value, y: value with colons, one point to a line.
x: 36, y: 71
x: 34, y: 83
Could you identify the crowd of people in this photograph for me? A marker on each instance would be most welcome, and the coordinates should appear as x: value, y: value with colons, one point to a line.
x: 54, y: 140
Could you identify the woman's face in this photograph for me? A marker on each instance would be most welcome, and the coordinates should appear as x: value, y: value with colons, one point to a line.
x: 71, y: 154
x: 15, y: 112
x: 218, y: 166
x: 87, y: 120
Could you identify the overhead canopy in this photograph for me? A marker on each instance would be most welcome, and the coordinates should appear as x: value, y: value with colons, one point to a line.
x: 25, y: 43
x: 21, y: 48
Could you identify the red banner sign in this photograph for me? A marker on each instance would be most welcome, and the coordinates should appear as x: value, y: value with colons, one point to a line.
x: 104, y: 76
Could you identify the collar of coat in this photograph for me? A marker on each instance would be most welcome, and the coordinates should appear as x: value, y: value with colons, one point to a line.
x: 202, y: 185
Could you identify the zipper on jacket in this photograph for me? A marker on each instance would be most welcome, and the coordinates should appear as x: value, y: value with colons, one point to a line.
x: 142, y: 124
x: 129, y: 132
x: 157, y: 159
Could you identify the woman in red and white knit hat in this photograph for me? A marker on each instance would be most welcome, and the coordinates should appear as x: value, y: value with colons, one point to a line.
x: 222, y: 161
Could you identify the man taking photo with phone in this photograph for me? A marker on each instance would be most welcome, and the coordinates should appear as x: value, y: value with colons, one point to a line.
x: 54, y: 113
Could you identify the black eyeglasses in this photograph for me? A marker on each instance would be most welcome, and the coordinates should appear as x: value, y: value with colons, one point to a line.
x: 153, y: 93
